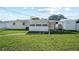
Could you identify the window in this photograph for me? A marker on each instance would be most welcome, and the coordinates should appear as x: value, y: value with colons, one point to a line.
x: 23, y: 23
x: 38, y: 24
x: 77, y: 21
x: 32, y: 25
x: 44, y: 25
x: 13, y: 23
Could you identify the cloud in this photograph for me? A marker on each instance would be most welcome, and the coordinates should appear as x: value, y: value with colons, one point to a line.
x: 46, y: 12
x: 72, y: 16
x: 28, y: 7
x: 54, y: 10
x: 67, y: 9
x: 9, y: 16
x: 50, y: 10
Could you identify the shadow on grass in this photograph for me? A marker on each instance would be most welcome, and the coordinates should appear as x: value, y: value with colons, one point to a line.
x: 36, y: 32
x: 64, y: 32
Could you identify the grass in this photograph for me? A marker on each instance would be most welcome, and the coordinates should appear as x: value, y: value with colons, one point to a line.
x: 3, y: 32
x: 66, y: 41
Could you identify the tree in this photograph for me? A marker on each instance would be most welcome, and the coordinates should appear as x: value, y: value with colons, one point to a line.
x: 77, y: 21
x: 56, y: 17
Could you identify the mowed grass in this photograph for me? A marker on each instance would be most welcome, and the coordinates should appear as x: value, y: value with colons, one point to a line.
x: 3, y: 32
x: 39, y: 42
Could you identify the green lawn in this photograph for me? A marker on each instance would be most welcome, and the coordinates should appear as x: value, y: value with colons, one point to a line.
x: 3, y: 32
x: 67, y: 41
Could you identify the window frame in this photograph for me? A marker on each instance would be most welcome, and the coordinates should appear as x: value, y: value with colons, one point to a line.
x: 44, y: 24
x: 32, y: 24
x: 38, y: 24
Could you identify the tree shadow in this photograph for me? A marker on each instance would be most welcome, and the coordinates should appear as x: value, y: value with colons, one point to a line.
x: 64, y: 32
x: 36, y: 32
x: 53, y: 32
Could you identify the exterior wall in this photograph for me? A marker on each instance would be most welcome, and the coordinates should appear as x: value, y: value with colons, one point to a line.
x: 2, y: 25
x: 18, y: 24
x: 68, y: 24
x: 77, y: 26
x: 38, y: 28
x: 52, y: 25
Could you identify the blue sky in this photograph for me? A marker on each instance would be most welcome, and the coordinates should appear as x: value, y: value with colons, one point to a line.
x: 13, y: 13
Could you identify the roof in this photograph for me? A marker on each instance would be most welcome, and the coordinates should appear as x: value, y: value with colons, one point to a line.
x: 38, y: 21
x: 24, y: 20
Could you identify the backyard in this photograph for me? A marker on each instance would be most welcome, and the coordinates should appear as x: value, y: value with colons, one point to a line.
x: 21, y: 40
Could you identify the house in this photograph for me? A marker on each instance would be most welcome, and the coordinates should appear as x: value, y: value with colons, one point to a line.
x: 42, y: 25
x: 67, y: 24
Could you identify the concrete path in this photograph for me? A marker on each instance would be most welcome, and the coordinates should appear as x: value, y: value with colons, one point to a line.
x: 12, y: 34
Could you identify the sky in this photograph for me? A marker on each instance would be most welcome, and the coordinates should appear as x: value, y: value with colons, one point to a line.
x: 14, y: 13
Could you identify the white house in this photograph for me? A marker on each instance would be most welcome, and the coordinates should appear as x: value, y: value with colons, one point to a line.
x: 17, y: 24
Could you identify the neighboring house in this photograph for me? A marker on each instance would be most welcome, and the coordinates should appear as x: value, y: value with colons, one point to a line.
x: 16, y: 24
x: 67, y: 24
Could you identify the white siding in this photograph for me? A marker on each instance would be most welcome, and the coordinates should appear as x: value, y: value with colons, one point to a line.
x: 38, y: 28
x: 2, y: 25
x: 77, y: 26
x: 68, y: 24
x: 18, y: 25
